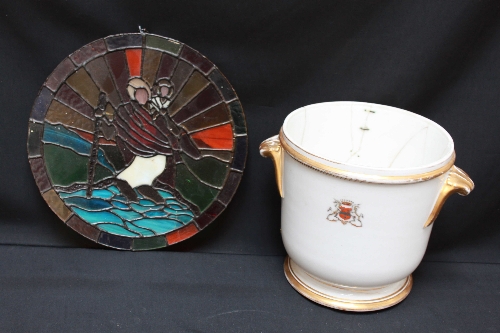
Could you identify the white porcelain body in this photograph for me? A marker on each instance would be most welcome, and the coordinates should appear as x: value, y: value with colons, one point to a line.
x: 388, y: 239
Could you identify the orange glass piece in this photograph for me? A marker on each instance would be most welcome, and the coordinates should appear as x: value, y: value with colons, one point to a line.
x: 181, y: 234
x: 90, y: 137
x: 134, y: 57
x: 220, y: 137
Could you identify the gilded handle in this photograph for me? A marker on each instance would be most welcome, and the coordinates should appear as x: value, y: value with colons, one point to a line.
x: 457, y: 182
x: 272, y: 148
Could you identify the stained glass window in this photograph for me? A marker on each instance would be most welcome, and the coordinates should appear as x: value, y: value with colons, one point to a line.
x: 137, y: 141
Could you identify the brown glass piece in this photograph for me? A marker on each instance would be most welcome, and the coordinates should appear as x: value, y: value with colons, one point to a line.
x: 88, y: 52
x: 83, y: 228
x: 35, y: 132
x: 222, y: 155
x: 210, y: 214
x: 41, y: 179
x: 150, y: 66
x: 41, y: 105
x: 195, y: 84
x: 150, y: 193
x: 196, y: 59
x: 81, y: 82
x: 99, y: 72
x: 68, y: 96
x: 222, y: 84
x: 232, y: 182
x: 57, y: 204
x: 203, y: 101
x: 167, y: 66
x: 61, y: 114
x: 118, y: 66
x: 60, y: 74
x: 124, y: 41
x: 109, y: 112
x: 238, y: 116
x: 214, y: 116
x: 240, y: 153
x: 180, y: 76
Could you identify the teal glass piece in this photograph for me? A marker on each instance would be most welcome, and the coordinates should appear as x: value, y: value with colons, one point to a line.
x: 156, y: 214
x: 147, y: 203
x: 88, y: 204
x: 119, y: 204
x: 166, y: 194
x: 142, y: 209
x: 159, y: 226
x: 97, y: 217
x: 128, y: 215
x: 102, y: 194
x: 142, y: 231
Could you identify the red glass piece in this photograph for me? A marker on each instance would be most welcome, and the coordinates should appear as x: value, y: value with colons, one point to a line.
x: 181, y: 234
x: 134, y: 57
x: 220, y: 137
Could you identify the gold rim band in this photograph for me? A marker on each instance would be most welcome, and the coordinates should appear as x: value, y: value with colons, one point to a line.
x: 346, y: 304
x: 362, y: 177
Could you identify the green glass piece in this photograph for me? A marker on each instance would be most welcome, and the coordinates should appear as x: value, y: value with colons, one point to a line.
x: 101, y: 173
x: 192, y: 189
x: 208, y: 169
x: 114, y: 156
x: 163, y: 44
x: 149, y: 243
x: 64, y: 166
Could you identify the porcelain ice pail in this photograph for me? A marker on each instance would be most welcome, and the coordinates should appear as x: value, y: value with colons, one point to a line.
x: 361, y: 185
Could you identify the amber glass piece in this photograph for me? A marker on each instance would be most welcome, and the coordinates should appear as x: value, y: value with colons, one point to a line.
x: 61, y: 114
x: 35, y: 132
x: 220, y: 137
x: 60, y: 74
x: 167, y: 66
x: 124, y: 41
x: 134, y: 57
x: 163, y: 44
x: 41, y: 105
x: 221, y: 83
x: 214, y: 116
x: 195, y: 58
x: 57, y: 204
x: 181, y: 75
x: 83, y: 85
x: 151, y: 60
x: 41, y: 178
x: 70, y: 98
x: 89, y: 52
x: 99, y: 72
x: 118, y: 66
x: 181, y: 234
x: 204, y: 100
x: 83, y: 228
x: 193, y: 86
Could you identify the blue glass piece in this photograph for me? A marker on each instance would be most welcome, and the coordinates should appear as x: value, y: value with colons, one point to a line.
x: 156, y: 214
x: 183, y: 218
x: 142, y: 209
x: 175, y: 206
x: 160, y: 226
x: 81, y: 193
x: 142, y: 231
x: 145, y: 202
x: 120, y: 198
x: 58, y: 134
x: 128, y: 215
x: 88, y: 204
x: 102, y: 194
x: 165, y: 194
x: 103, y: 160
x: 117, y: 230
x: 120, y: 205
x: 114, y: 189
x: 96, y: 217
x: 170, y: 210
